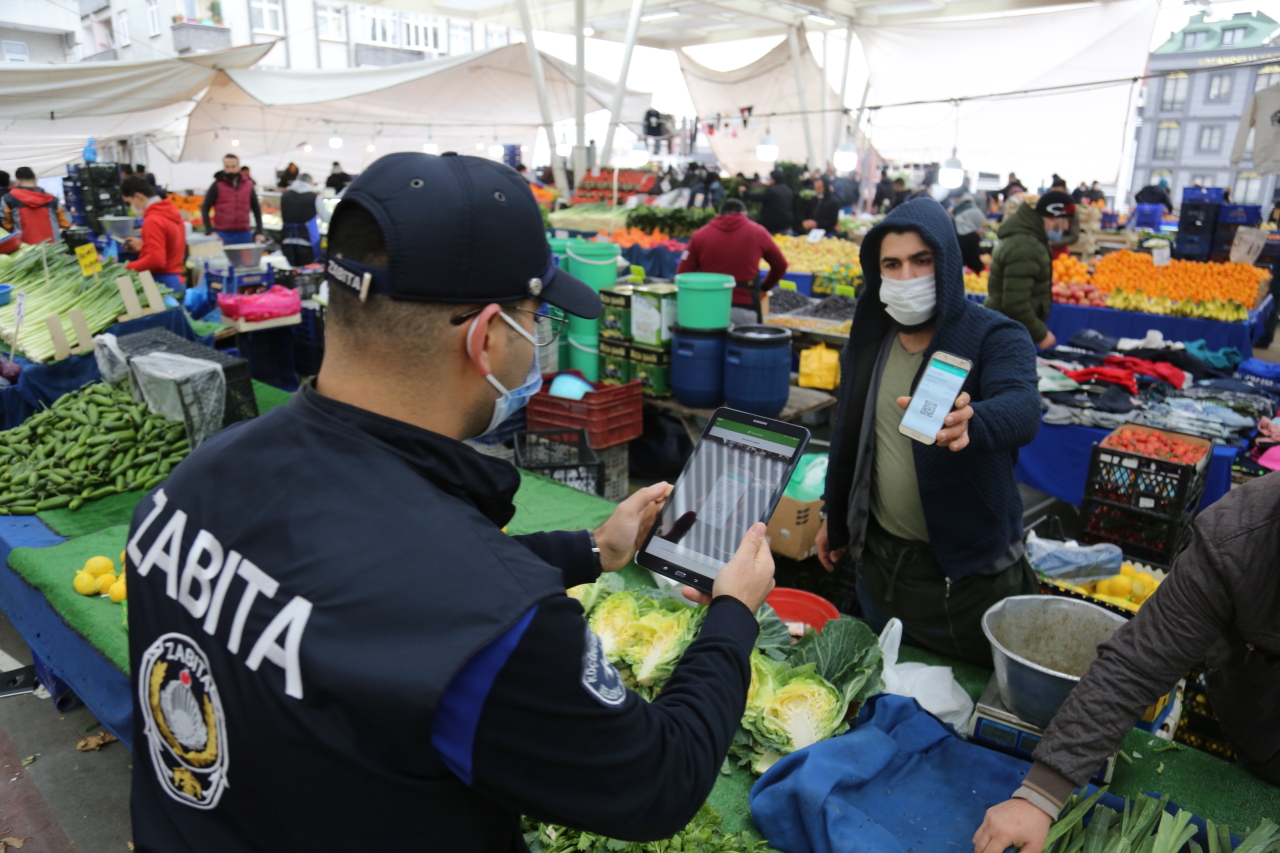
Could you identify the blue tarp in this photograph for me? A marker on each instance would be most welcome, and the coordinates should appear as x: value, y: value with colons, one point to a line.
x: 41, y: 384
x: 1057, y: 463
x: 899, y: 781
x: 657, y: 262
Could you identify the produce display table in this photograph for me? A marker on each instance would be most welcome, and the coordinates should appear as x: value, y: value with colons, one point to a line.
x: 800, y: 402
x: 1057, y: 463
x: 1065, y: 320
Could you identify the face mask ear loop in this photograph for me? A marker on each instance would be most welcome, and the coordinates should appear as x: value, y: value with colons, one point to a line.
x: 474, y: 344
x: 513, y: 324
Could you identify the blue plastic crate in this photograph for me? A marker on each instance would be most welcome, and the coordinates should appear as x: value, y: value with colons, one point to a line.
x: 1240, y: 214
x: 1149, y: 216
x: 1197, y: 245
x: 1209, y: 194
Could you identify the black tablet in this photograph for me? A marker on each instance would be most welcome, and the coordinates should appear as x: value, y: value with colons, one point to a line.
x: 734, y: 478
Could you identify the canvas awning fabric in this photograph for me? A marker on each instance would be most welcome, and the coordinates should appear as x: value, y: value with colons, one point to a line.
x: 191, y: 108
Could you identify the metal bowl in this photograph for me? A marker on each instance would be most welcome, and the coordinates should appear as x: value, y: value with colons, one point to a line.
x: 245, y: 255
x: 1041, y: 646
x: 118, y: 226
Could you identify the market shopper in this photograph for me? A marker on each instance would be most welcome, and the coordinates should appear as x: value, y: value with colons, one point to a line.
x: 302, y: 209
x: 1070, y: 234
x: 1013, y: 188
x: 338, y: 178
x: 233, y: 197
x: 368, y: 640
x: 777, y: 203
x: 1021, y: 267
x: 971, y: 226
x: 162, y: 248
x: 31, y: 210
x: 1157, y: 193
x: 732, y: 244
x: 1221, y: 604
x: 288, y: 176
x: 930, y: 534
x: 884, y: 192
x: 824, y: 208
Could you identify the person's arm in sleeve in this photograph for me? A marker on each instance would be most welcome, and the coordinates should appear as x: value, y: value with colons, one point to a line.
x: 1020, y: 274
x: 151, y: 255
x: 257, y: 211
x: 539, y: 723
x: 61, y: 215
x: 776, y: 260
x: 1006, y: 414
x: 1189, y: 612
x: 205, y: 206
x: 8, y: 215
x: 568, y: 550
x: 689, y: 260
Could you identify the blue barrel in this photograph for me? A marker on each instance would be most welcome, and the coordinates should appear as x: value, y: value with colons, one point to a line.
x: 697, y: 366
x: 757, y: 369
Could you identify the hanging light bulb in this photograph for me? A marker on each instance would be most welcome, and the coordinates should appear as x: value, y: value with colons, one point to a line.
x: 496, y: 150
x: 767, y: 147
x: 335, y: 141
x: 846, y: 157
x: 235, y: 143
x: 430, y: 147
x: 588, y: 31
x: 371, y: 148
x: 951, y: 175
x: 563, y: 149
x: 306, y: 148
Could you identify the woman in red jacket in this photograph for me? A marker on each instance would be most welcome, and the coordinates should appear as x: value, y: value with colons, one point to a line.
x: 163, y: 246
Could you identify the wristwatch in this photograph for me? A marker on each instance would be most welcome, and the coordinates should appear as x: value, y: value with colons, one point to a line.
x: 595, y: 552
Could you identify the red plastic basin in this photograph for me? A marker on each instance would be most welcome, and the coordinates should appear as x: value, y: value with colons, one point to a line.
x: 11, y: 244
x: 796, y: 605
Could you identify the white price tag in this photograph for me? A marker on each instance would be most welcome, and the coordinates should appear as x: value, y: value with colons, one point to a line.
x: 20, y: 310
x: 816, y: 234
x: 1248, y: 245
x: 1160, y: 256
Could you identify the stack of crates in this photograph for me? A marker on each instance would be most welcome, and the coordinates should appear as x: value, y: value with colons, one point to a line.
x: 1143, y: 504
x: 95, y: 189
x: 562, y: 455
x: 611, y: 417
x: 241, y: 404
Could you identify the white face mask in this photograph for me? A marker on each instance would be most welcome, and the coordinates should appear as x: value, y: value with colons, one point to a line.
x: 910, y: 302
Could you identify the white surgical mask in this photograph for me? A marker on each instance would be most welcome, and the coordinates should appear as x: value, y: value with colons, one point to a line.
x: 511, y: 402
x: 910, y: 302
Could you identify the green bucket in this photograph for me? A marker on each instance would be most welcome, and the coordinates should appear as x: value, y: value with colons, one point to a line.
x: 594, y: 263
x: 584, y: 348
x: 704, y: 299
x: 557, y: 245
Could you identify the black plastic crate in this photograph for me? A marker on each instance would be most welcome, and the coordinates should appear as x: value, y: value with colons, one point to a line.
x: 564, y: 455
x: 100, y: 175
x: 241, y: 404
x: 1142, y: 482
x: 1146, y: 537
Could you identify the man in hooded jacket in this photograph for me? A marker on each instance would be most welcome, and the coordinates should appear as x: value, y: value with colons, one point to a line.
x: 1022, y: 265
x: 732, y: 244
x: 932, y: 533
x: 31, y: 210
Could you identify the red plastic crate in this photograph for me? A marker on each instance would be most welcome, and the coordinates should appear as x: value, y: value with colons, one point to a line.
x: 611, y: 414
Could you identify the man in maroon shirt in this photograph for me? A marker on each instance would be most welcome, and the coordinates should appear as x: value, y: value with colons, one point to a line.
x: 732, y: 244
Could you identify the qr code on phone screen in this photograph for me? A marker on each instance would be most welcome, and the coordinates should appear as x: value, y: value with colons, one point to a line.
x: 928, y: 407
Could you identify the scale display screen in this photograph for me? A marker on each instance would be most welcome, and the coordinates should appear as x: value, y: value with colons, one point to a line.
x: 999, y: 734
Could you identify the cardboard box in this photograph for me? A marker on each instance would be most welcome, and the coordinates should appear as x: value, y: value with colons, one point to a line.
x: 794, y: 527
x: 652, y: 367
x: 615, y: 320
x: 653, y: 313
x: 616, y: 367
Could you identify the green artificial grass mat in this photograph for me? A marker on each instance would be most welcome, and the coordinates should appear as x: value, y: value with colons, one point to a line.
x: 268, y: 396
x: 203, y: 328
x: 51, y: 570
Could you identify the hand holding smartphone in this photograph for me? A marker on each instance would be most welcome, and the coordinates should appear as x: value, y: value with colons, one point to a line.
x: 935, y: 396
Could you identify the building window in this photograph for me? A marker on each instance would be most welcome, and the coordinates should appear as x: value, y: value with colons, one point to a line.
x: 1232, y: 36
x: 15, y: 51
x: 153, y: 17
x: 1168, y: 135
x: 1210, y: 138
x: 378, y: 26
x: 460, y: 38
x: 1174, y: 95
x: 122, y: 29
x: 421, y: 35
x: 331, y: 23
x: 1220, y: 87
x: 1268, y: 75
x: 1190, y: 41
x: 1203, y: 181
x: 268, y: 16
x: 1248, y: 188
x: 495, y: 37
x: 1158, y: 175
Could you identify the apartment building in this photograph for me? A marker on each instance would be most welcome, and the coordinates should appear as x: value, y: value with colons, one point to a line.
x: 1203, y: 76
x: 311, y: 34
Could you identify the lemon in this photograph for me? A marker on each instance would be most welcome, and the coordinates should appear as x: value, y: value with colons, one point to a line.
x: 1140, y: 591
x: 104, y: 582
x: 1126, y: 570
x: 85, y: 583
x: 122, y: 561
x: 117, y: 591
x: 98, y: 565
x: 1121, y: 586
x: 1147, y: 580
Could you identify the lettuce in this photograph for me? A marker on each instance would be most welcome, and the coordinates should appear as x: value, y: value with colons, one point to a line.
x: 613, y: 620
x: 591, y: 594
x: 658, y: 640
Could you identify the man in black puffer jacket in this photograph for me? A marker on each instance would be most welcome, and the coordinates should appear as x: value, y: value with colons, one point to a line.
x: 933, y: 533
x: 777, y: 204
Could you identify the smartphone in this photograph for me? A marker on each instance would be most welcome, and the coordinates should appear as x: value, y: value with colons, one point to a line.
x: 733, y: 479
x: 934, y: 397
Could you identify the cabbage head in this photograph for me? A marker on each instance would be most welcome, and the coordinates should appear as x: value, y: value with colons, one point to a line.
x: 797, y: 709
x: 659, y: 638
x: 613, y: 620
x: 591, y: 594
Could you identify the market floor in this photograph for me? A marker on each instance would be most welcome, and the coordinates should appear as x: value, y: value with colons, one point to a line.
x: 64, y: 800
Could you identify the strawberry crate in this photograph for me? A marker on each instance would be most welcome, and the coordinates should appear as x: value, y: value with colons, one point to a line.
x: 1147, y: 537
x: 1129, y: 478
x: 610, y: 415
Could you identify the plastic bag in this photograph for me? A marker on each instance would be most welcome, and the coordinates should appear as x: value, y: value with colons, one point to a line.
x: 820, y: 368
x: 934, y: 687
x: 810, y: 478
x: 190, y: 390
x: 112, y: 362
x: 1070, y: 560
x: 255, y: 307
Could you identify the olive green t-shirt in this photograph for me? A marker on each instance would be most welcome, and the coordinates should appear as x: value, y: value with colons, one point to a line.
x: 895, y: 494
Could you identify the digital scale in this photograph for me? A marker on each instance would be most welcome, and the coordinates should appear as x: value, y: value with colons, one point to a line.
x: 996, y: 727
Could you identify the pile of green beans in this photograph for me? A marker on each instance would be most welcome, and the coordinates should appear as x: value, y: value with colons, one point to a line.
x: 92, y: 443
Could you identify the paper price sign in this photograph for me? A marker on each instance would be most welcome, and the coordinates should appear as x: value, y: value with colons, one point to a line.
x: 87, y: 255
x: 20, y: 309
x: 1160, y: 256
x: 1248, y: 244
x: 816, y: 235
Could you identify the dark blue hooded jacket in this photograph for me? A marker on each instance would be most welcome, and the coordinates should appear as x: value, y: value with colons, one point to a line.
x: 970, y: 498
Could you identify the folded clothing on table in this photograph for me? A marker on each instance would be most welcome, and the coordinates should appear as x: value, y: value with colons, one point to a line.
x: 1164, y: 372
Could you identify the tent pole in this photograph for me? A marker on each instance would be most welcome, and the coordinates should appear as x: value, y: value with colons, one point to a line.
x: 844, y: 91
x: 580, y: 89
x: 793, y: 36
x: 633, y: 29
x: 540, y: 84
x: 826, y: 99
x: 864, y: 151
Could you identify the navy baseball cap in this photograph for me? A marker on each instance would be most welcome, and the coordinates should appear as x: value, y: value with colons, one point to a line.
x: 457, y: 229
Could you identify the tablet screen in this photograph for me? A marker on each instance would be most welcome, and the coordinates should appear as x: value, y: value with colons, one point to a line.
x: 729, y: 484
